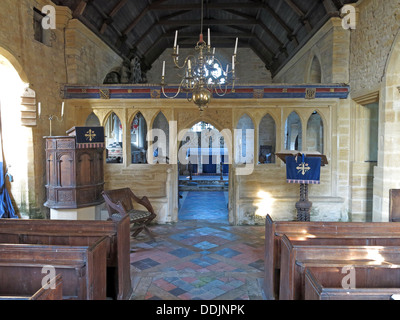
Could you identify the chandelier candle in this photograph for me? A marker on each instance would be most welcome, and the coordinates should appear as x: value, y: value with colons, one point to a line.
x: 176, y: 38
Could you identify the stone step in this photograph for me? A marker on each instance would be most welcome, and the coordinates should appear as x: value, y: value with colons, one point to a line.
x: 204, y: 187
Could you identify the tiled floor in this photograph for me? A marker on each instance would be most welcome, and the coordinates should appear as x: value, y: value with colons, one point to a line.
x: 201, y: 257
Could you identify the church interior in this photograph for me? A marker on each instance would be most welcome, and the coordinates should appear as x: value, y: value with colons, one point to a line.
x: 202, y: 150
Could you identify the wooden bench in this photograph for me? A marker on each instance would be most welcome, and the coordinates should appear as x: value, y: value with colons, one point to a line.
x: 394, y: 205
x: 41, y: 294
x: 120, y: 201
x: 83, y: 268
x: 322, y: 233
x: 295, y: 258
x: 327, y: 285
x: 80, y: 233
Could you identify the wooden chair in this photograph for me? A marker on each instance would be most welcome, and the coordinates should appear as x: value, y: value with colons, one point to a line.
x: 119, y: 202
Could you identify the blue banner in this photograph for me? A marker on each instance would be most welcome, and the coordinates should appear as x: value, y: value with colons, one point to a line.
x: 303, y: 170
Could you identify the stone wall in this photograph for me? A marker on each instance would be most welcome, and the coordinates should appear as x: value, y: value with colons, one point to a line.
x: 44, y: 68
x: 371, y: 44
x: 374, y: 78
x: 330, y: 45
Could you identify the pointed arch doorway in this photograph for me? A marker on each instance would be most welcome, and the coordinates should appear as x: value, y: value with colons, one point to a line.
x: 203, y: 171
x: 17, y: 139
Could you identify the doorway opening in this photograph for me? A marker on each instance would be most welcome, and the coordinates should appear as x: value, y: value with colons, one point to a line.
x: 203, y: 166
x: 16, y: 140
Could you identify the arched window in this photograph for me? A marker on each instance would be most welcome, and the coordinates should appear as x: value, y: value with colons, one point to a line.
x: 92, y: 121
x: 114, y: 134
x: 160, y: 139
x: 315, y: 75
x: 315, y: 133
x: 139, y: 139
x: 293, y: 132
x: 267, y: 140
x: 244, y: 140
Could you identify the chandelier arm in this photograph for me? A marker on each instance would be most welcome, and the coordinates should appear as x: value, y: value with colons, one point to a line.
x: 174, y: 96
x: 224, y: 91
x: 185, y: 62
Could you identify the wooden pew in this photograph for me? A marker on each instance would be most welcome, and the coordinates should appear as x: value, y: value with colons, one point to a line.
x: 296, y: 257
x: 80, y: 233
x: 83, y: 268
x: 52, y: 293
x: 327, y: 285
x: 41, y: 294
x: 394, y: 205
x: 323, y: 233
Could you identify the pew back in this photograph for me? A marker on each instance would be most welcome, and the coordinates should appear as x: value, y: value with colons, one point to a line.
x: 79, y: 233
x: 41, y: 294
x: 320, y: 285
x: 295, y: 258
x: 322, y: 233
x: 83, y: 268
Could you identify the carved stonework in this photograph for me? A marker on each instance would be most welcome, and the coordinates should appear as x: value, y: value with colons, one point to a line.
x: 28, y: 108
x: 220, y: 118
x: 310, y: 93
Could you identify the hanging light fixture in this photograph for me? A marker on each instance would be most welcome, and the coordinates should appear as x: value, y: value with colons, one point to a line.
x: 198, y: 80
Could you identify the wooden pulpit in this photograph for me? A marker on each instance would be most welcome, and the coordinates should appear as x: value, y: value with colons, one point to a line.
x: 75, y: 168
x: 303, y: 168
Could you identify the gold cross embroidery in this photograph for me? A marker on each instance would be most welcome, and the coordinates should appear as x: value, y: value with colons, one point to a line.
x: 90, y: 135
x: 303, y: 168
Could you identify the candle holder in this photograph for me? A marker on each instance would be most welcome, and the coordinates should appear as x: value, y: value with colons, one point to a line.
x: 52, y: 117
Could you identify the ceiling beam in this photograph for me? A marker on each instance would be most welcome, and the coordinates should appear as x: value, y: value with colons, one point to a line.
x: 216, y: 6
x: 300, y: 13
x: 262, y: 43
x: 209, y: 22
x: 80, y: 8
x: 259, y: 23
x: 213, y: 35
x: 331, y: 8
x: 155, y: 24
x: 111, y: 15
x: 141, y: 15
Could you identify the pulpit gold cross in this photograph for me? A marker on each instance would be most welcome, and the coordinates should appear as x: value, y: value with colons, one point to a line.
x: 303, y: 168
x: 90, y: 135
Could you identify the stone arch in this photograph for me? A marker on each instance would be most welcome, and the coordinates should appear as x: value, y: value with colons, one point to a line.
x: 16, y: 92
x: 244, y: 142
x: 226, y: 133
x: 315, y: 133
x: 293, y: 132
x: 160, y: 122
x: 138, y: 138
x: 114, y: 137
x: 92, y: 120
x: 315, y: 71
x: 267, y: 139
x: 11, y: 57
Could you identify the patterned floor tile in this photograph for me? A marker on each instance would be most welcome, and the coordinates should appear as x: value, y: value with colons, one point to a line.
x: 199, y: 259
x: 227, y: 252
